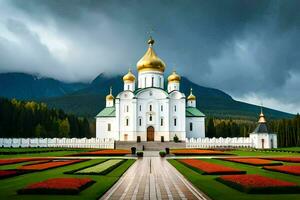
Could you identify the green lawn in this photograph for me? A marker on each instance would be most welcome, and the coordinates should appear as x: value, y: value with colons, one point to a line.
x: 219, y: 191
x: 9, y: 186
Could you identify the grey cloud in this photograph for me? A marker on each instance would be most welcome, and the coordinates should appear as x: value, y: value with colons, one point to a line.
x: 238, y: 46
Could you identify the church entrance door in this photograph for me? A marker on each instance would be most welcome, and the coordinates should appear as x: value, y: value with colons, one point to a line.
x: 150, y: 133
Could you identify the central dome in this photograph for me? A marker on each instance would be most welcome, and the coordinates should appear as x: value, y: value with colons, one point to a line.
x: 150, y: 61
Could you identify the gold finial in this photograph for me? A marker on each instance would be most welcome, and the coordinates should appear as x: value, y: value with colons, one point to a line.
x: 262, y: 118
x: 191, y: 97
x: 151, y: 41
x: 110, y: 96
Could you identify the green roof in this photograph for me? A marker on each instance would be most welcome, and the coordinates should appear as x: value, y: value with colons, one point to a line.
x: 193, y: 112
x: 107, y: 112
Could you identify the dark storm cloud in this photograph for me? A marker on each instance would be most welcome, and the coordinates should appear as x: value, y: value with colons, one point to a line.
x: 242, y: 47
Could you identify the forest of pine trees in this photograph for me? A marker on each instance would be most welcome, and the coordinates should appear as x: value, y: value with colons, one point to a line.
x: 288, y: 130
x: 31, y: 119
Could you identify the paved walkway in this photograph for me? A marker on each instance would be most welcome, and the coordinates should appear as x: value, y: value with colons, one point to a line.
x: 152, y: 178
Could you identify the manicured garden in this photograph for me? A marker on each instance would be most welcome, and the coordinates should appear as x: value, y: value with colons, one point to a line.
x: 36, y: 178
x: 258, y: 180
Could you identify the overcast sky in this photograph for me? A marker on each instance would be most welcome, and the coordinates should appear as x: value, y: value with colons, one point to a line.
x: 249, y: 49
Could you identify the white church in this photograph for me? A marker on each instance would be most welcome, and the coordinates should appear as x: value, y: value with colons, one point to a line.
x: 146, y: 110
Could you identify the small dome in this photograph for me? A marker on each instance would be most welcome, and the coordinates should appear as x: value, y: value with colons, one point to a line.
x: 110, y: 96
x: 174, y: 77
x: 150, y: 61
x: 191, y: 97
x: 129, y: 77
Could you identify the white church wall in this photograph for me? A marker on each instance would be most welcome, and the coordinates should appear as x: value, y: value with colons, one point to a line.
x: 264, y: 140
x: 145, y: 79
x: 103, y: 129
x: 198, y: 127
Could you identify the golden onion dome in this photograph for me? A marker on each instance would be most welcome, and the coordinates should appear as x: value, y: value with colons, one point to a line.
x: 262, y: 118
x: 174, y: 77
x: 191, y: 97
x: 129, y: 77
x: 110, y: 96
x: 150, y: 61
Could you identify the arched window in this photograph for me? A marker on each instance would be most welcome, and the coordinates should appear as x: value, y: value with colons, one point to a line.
x: 128, y: 87
x: 150, y: 107
x: 145, y: 81
x: 161, y: 108
x: 140, y: 121
x: 175, y: 108
x: 127, y: 122
x: 175, y: 122
x: 150, y: 118
x: 161, y: 121
x: 152, y: 81
x: 191, y: 126
x: 127, y: 108
x: 108, y: 127
x: 140, y: 107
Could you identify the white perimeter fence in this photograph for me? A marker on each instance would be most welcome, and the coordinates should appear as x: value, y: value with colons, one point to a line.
x: 58, y: 142
x: 219, y: 142
x: 105, y: 143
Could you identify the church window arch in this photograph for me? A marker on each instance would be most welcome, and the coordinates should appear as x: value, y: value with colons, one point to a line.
x: 127, y: 121
x: 191, y: 126
x: 150, y: 118
x: 150, y: 108
x: 175, y: 108
x: 140, y: 121
x: 161, y: 121
x: 145, y: 82
x: 161, y: 108
x: 108, y: 127
x: 175, y: 121
x: 140, y: 107
x: 127, y: 108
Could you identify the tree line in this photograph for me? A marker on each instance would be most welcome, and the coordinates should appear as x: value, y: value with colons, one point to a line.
x: 32, y: 119
x: 288, y: 130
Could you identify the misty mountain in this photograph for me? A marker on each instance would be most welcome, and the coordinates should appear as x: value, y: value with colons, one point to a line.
x: 30, y: 87
x: 88, y: 99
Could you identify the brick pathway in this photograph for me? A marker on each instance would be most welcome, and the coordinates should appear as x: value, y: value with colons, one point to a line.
x: 153, y: 178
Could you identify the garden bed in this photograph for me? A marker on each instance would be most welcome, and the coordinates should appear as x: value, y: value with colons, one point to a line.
x: 17, y: 160
x: 10, y: 173
x: 64, y: 186
x: 258, y: 184
x: 252, y: 161
x: 181, y: 152
x: 102, y: 168
x: 287, y: 169
x: 49, y: 165
x: 286, y: 159
x: 106, y: 152
x: 210, y: 168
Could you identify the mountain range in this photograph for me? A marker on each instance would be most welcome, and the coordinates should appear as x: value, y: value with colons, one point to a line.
x: 87, y: 99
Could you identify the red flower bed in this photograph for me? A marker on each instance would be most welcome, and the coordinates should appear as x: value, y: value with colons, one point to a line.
x: 286, y: 159
x: 252, y: 161
x: 288, y: 169
x: 49, y: 165
x: 210, y: 168
x: 197, y: 152
x: 10, y: 173
x: 252, y: 183
x: 58, y: 186
x: 17, y: 160
x: 107, y: 152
